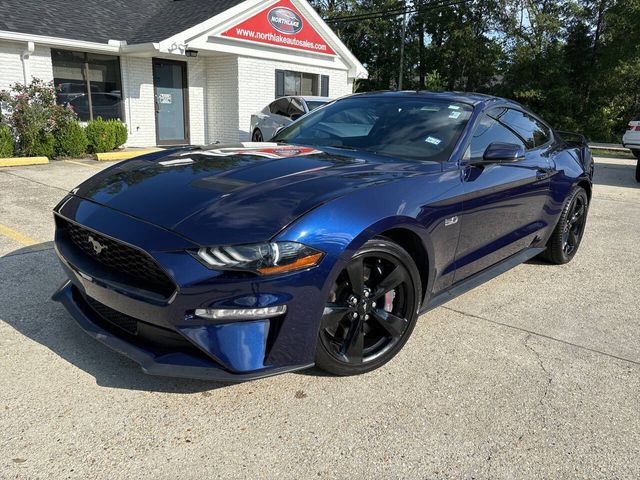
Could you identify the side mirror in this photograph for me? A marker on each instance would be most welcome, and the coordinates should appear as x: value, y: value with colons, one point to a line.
x: 498, y: 152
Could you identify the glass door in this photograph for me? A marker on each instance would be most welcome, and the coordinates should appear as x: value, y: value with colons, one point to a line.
x: 170, y: 84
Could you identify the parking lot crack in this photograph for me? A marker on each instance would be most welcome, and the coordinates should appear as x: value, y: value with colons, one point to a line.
x: 542, y: 335
x: 34, y: 181
x: 546, y: 372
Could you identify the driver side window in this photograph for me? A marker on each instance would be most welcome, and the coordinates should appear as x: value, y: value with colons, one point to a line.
x: 488, y: 131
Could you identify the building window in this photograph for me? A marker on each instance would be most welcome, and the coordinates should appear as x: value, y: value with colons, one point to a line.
x: 301, y: 83
x: 78, y: 73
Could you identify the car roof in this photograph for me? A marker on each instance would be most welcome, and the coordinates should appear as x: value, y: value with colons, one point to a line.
x: 310, y: 98
x: 470, y: 98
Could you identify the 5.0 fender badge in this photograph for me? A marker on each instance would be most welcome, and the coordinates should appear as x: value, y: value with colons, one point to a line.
x: 450, y: 221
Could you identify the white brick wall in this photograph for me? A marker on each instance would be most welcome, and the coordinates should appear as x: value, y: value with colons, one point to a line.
x: 224, y: 91
x: 197, y: 77
x: 139, y: 105
x: 222, y: 99
x: 11, y: 69
x: 257, y: 86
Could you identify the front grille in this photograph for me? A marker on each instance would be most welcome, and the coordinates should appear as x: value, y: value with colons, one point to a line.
x: 129, y: 262
x: 118, y: 319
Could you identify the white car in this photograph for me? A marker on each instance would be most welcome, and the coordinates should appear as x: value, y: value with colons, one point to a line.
x: 280, y: 113
x: 631, y: 140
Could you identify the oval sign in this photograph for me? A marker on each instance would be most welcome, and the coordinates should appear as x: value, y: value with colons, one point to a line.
x: 285, y: 20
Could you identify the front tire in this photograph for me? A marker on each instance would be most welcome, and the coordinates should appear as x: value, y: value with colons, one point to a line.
x: 371, y: 310
x: 566, y: 238
x: 638, y: 169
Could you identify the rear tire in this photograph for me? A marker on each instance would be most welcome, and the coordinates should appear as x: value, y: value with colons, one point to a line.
x: 371, y: 310
x: 638, y: 169
x: 566, y: 237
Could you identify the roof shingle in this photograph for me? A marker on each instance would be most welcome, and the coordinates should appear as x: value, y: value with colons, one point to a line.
x: 136, y: 21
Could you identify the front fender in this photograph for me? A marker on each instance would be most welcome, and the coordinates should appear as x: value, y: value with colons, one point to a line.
x: 340, y: 227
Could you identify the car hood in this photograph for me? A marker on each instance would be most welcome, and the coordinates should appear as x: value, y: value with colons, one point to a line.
x: 238, y: 194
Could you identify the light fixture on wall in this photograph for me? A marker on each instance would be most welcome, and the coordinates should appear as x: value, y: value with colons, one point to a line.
x: 191, y: 53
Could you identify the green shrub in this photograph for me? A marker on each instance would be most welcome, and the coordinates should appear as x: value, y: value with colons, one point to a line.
x: 100, y: 135
x: 7, y: 145
x: 71, y: 141
x: 120, y: 132
x: 37, y: 143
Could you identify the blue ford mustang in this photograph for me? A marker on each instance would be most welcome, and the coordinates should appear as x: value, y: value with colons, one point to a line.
x: 323, y: 246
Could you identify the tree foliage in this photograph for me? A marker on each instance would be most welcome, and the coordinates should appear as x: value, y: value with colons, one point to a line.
x: 575, y: 62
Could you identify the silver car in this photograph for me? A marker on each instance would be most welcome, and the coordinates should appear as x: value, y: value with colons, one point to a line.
x: 280, y: 113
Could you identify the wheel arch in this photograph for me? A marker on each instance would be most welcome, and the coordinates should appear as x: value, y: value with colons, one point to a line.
x: 413, y: 244
x: 584, y: 183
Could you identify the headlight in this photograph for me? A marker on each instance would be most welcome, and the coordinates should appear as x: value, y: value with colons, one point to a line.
x: 264, y: 258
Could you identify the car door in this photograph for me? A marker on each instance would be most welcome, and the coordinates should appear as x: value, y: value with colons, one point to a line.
x: 503, y: 203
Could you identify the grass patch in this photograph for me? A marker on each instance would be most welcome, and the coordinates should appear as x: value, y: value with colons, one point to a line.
x: 600, y: 152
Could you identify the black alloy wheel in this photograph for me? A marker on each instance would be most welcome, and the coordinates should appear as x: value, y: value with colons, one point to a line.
x: 566, y: 237
x: 371, y: 310
x: 257, y: 136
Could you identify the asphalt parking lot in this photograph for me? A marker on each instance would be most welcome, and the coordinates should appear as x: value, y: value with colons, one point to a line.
x: 535, y: 374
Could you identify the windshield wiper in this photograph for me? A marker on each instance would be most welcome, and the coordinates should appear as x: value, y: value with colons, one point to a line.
x: 341, y: 147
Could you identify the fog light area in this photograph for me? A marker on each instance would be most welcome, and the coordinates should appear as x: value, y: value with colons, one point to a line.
x: 240, y: 313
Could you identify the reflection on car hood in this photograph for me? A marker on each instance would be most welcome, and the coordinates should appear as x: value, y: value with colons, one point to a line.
x: 238, y: 194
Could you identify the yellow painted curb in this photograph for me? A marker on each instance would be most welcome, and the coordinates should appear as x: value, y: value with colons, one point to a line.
x: 22, y: 161
x: 125, y: 155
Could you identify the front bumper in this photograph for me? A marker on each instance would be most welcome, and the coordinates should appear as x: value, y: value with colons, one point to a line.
x: 183, y: 345
x: 172, y: 364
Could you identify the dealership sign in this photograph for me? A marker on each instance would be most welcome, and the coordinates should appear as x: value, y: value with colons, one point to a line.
x: 282, y: 25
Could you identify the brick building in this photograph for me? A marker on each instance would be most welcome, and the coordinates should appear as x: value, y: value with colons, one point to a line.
x: 175, y: 71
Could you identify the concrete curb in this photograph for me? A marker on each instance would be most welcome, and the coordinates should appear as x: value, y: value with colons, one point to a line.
x: 124, y: 155
x: 22, y: 161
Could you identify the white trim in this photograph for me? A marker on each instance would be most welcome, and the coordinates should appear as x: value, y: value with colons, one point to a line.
x: 58, y: 42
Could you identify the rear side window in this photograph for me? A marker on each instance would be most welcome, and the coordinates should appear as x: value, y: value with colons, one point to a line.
x: 280, y: 107
x: 488, y: 131
x: 532, y: 132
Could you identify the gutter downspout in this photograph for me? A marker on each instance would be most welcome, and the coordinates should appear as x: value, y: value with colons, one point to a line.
x: 26, y: 55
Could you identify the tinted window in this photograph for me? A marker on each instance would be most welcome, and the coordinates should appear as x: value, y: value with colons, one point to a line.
x: 295, y: 107
x: 77, y: 73
x: 280, y: 106
x: 313, y: 104
x: 408, y: 127
x: 488, y: 131
x: 532, y: 132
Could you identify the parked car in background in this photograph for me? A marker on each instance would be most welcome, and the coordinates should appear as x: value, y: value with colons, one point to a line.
x: 105, y: 105
x: 631, y: 140
x: 280, y: 113
x: 323, y: 246
x: 67, y: 91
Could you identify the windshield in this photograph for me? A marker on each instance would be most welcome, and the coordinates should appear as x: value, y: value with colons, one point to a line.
x: 313, y: 104
x: 408, y: 127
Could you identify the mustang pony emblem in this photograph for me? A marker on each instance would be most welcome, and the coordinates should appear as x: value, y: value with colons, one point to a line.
x: 97, y: 246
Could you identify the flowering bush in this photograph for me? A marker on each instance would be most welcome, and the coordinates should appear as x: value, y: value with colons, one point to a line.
x: 34, y: 116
